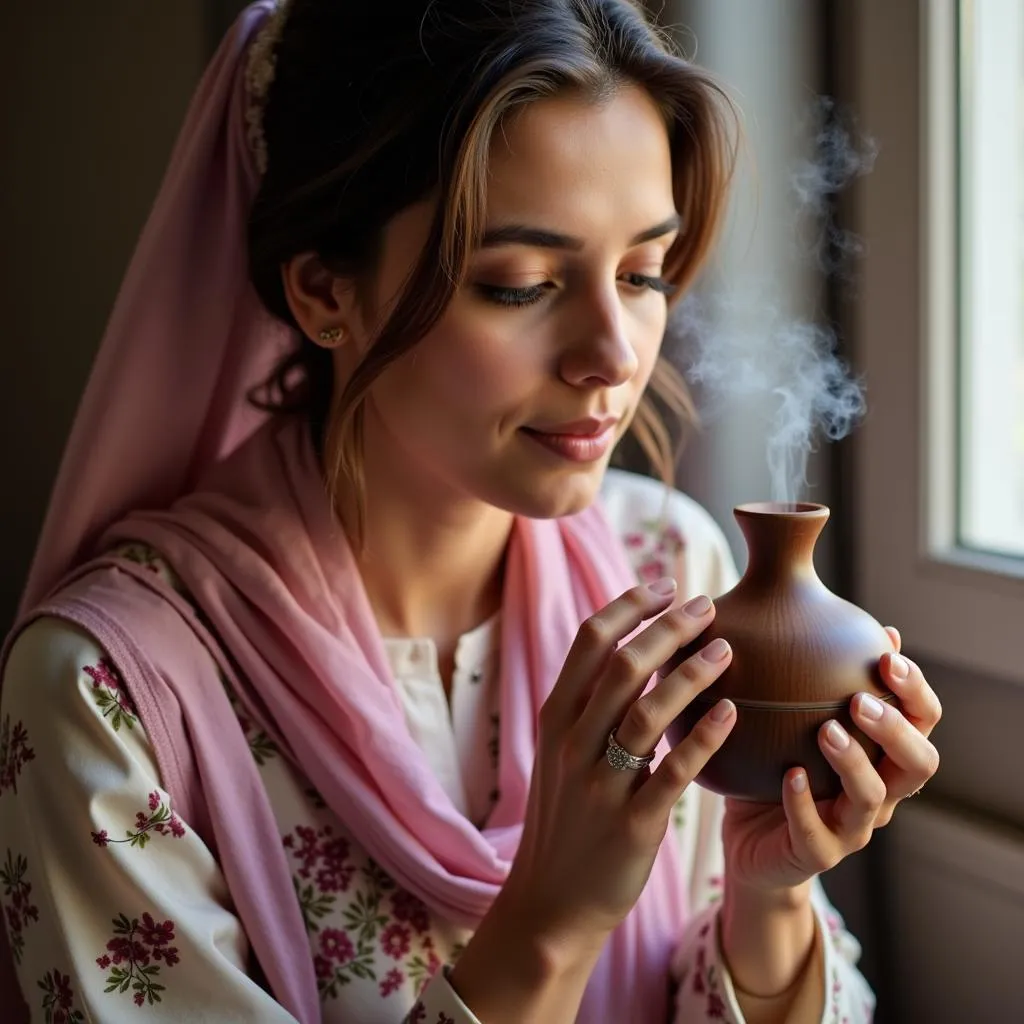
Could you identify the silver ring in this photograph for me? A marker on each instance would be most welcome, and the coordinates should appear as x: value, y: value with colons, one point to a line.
x: 621, y: 759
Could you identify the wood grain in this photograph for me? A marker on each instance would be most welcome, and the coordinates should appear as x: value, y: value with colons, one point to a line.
x: 800, y: 653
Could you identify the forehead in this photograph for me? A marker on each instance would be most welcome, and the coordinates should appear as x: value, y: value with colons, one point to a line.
x: 568, y: 158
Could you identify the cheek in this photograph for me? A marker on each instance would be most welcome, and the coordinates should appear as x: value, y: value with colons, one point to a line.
x: 459, y: 378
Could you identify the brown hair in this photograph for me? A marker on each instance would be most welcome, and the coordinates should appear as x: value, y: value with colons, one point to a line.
x: 375, y: 106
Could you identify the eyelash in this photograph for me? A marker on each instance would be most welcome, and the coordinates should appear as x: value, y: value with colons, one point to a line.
x: 518, y: 297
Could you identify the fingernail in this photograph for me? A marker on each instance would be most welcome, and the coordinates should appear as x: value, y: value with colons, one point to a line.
x: 837, y: 735
x: 663, y: 587
x: 870, y: 707
x: 721, y: 711
x: 698, y: 606
x: 898, y: 667
x: 798, y: 782
x: 715, y: 651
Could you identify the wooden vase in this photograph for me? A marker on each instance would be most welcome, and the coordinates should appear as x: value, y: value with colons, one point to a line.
x: 800, y: 653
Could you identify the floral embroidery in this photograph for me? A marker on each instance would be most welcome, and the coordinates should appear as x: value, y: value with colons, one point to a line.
x: 20, y: 911
x: 160, y: 820
x: 679, y: 814
x: 378, y: 920
x: 151, y: 559
x: 315, y: 799
x: 132, y: 950
x: 654, y: 549
x: 705, y: 981
x: 59, y: 999
x: 422, y: 970
x: 109, y: 694
x: 15, y: 753
x: 836, y: 998
x: 417, y: 1014
x: 261, y: 746
x: 392, y: 982
x: 324, y: 870
x: 443, y: 1018
x: 394, y: 940
x: 410, y: 909
x: 715, y: 1007
x: 698, y: 974
x: 140, y: 554
x: 493, y: 749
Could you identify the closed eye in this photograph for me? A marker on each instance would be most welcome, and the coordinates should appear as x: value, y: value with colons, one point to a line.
x: 514, y: 297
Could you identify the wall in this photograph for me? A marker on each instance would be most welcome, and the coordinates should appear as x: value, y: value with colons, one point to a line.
x: 91, y: 96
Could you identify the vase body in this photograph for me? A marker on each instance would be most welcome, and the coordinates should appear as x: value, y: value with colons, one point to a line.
x: 800, y: 653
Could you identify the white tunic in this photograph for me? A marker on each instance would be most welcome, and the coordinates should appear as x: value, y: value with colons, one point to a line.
x: 116, y: 910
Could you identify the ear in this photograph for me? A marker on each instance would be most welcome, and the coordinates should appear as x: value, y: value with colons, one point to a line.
x: 322, y: 302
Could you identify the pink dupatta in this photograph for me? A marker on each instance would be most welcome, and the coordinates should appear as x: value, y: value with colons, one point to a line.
x: 246, y: 523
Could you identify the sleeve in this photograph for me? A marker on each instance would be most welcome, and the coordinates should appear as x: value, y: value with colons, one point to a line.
x: 111, y: 902
x: 705, y: 991
x: 440, y: 1004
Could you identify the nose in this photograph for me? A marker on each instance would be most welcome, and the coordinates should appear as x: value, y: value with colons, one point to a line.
x: 599, y: 351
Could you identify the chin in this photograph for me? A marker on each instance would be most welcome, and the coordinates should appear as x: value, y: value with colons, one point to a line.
x: 553, y: 498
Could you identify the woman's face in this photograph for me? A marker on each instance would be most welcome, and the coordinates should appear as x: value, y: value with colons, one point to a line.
x: 518, y: 395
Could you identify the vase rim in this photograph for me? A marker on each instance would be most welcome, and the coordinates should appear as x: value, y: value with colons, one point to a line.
x: 783, y: 509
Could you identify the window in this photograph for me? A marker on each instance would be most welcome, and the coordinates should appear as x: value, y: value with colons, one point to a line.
x: 939, y: 327
x: 990, y: 258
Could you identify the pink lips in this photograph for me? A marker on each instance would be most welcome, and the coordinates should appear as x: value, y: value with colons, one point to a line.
x: 580, y: 441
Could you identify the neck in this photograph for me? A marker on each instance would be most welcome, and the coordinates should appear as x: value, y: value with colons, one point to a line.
x: 431, y: 560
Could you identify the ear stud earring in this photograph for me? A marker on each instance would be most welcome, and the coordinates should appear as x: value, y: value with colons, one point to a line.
x: 331, y: 335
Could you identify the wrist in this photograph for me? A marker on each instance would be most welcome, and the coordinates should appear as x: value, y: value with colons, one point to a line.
x: 767, y: 936
x: 760, y: 899
x: 512, y: 970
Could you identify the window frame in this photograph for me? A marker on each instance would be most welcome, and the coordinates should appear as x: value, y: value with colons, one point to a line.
x: 963, y: 607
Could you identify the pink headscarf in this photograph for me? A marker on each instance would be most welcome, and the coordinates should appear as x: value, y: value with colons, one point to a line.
x: 165, y: 424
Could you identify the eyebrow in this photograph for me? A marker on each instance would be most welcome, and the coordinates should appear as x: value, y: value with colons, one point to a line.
x: 540, y: 238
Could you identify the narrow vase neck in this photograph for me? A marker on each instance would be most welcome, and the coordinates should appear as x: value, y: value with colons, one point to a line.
x: 780, y: 539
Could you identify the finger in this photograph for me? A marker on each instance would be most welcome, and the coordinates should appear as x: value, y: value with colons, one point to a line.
x: 894, y: 636
x: 648, y: 717
x: 629, y: 669
x: 918, y: 701
x: 683, y: 763
x: 910, y: 757
x: 813, y: 844
x: 597, y: 638
x: 864, y: 791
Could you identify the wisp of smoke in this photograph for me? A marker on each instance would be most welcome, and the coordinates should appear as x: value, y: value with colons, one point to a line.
x: 794, y: 363
x: 739, y: 351
x: 838, y: 156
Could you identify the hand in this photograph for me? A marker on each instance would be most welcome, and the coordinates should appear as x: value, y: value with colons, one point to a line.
x: 771, y: 847
x: 591, y: 833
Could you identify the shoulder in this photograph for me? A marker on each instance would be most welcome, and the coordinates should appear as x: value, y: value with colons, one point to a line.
x: 47, y: 660
x: 58, y: 665
x: 62, y: 691
x: 662, y: 528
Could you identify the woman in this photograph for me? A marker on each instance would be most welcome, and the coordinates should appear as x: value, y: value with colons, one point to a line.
x: 362, y: 692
